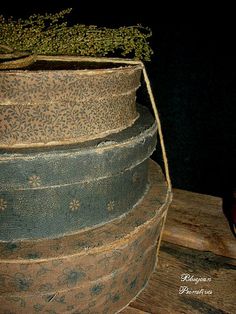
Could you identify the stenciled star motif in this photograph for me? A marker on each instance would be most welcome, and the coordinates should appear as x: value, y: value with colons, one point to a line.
x: 110, y: 206
x: 3, y: 204
x: 34, y: 181
x: 74, y: 205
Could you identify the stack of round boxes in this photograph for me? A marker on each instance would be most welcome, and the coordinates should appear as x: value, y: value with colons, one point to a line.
x: 78, y: 206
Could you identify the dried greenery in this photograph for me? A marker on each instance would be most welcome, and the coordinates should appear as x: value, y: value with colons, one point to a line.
x: 50, y: 34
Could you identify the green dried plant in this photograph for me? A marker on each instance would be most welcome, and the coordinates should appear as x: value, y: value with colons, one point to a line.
x: 50, y: 34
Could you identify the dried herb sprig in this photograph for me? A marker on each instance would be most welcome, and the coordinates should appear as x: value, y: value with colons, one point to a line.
x: 50, y: 34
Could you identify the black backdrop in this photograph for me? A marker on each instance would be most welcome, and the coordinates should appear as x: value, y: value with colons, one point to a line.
x: 193, y: 77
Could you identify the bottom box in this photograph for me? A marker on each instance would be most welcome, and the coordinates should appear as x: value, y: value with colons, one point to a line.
x: 99, y: 270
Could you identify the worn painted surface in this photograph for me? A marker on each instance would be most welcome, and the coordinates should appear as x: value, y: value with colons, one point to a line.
x: 51, y: 192
x: 44, y: 105
x: 95, y: 271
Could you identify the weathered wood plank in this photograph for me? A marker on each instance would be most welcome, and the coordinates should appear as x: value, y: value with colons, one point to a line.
x: 215, y: 295
x: 131, y: 310
x: 197, y: 221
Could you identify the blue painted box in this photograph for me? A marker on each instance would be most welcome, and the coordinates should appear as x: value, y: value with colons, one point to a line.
x: 53, y: 191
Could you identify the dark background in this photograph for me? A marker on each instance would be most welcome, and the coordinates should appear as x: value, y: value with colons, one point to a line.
x: 193, y: 79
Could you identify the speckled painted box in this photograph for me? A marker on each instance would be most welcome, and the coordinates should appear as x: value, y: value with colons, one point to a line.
x: 95, y: 271
x: 50, y: 192
x: 61, y: 100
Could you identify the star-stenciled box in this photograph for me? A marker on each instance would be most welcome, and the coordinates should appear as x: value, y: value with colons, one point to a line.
x: 50, y: 192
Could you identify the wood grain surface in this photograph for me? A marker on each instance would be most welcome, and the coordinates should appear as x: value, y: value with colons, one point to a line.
x: 197, y: 221
x: 162, y: 295
x: 197, y: 242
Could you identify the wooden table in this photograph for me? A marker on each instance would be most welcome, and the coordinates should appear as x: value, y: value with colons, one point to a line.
x: 196, y: 271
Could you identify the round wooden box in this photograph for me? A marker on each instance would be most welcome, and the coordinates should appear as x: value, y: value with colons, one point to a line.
x: 60, y: 100
x: 99, y: 270
x: 50, y: 192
